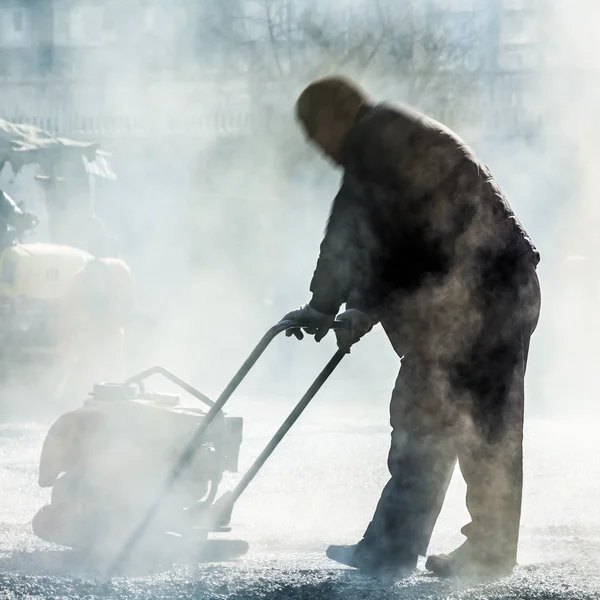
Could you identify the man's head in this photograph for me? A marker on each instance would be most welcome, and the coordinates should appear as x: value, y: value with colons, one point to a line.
x: 327, y: 109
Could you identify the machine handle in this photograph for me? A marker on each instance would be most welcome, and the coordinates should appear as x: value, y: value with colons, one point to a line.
x: 256, y: 354
x: 190, y: 449
x: 285, y: 427
x: 140, y: 377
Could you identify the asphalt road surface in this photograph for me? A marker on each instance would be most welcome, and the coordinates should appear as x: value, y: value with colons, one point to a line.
x: 321, y: 487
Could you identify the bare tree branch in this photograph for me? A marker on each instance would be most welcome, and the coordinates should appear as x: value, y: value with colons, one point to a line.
x: 429, y: 53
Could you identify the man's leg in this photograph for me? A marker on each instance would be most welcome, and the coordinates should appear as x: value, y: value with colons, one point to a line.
x: 490, y: 449
x: 490, y: 458
x: 421, y: 461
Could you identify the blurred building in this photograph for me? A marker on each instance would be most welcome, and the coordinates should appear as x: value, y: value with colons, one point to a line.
x: 499, y: 42
x: 111, y: 69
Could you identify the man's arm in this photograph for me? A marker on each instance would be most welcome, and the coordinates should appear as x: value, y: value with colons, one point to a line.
x: 341, y: 253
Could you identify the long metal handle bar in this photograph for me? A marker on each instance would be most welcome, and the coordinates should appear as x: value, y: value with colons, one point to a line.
x: 188, y: 452
x: 192, y: 391
x: 286, y: 426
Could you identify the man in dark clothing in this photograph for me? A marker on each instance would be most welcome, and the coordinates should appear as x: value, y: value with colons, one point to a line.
x: 421, y: 239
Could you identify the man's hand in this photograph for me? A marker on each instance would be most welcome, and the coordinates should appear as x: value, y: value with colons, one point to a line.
x: 358, y: 324
x: 312, y: 321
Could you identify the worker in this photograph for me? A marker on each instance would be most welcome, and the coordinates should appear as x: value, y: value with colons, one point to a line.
x: 92, y: 320
x: 421, y: 239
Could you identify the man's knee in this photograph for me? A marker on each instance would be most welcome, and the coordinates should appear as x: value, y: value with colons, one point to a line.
x: 415, y: 455
x: 422, y: 402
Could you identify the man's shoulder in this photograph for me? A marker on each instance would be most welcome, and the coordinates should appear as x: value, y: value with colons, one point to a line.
x: 377, y: 118
x: 400, y: 118
x: 387, y: 127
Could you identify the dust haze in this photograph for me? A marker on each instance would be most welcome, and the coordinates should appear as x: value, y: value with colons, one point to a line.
x: 221, y: 220
x: 220, y: 204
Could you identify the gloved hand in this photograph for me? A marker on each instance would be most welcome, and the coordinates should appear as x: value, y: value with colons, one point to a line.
x: 358, y: 324
x: 312, y: 321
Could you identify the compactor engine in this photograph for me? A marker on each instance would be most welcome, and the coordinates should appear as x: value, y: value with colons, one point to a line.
x: 106, y: 462
x: 131, y: 472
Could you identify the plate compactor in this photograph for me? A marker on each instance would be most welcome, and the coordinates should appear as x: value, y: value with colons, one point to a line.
x: 133, y: 470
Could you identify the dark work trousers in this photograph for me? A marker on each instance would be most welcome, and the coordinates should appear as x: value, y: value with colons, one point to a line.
x: 469, y: 408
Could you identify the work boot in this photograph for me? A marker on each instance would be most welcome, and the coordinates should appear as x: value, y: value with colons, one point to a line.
x: 466, y: 561
x: 366, y: 560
